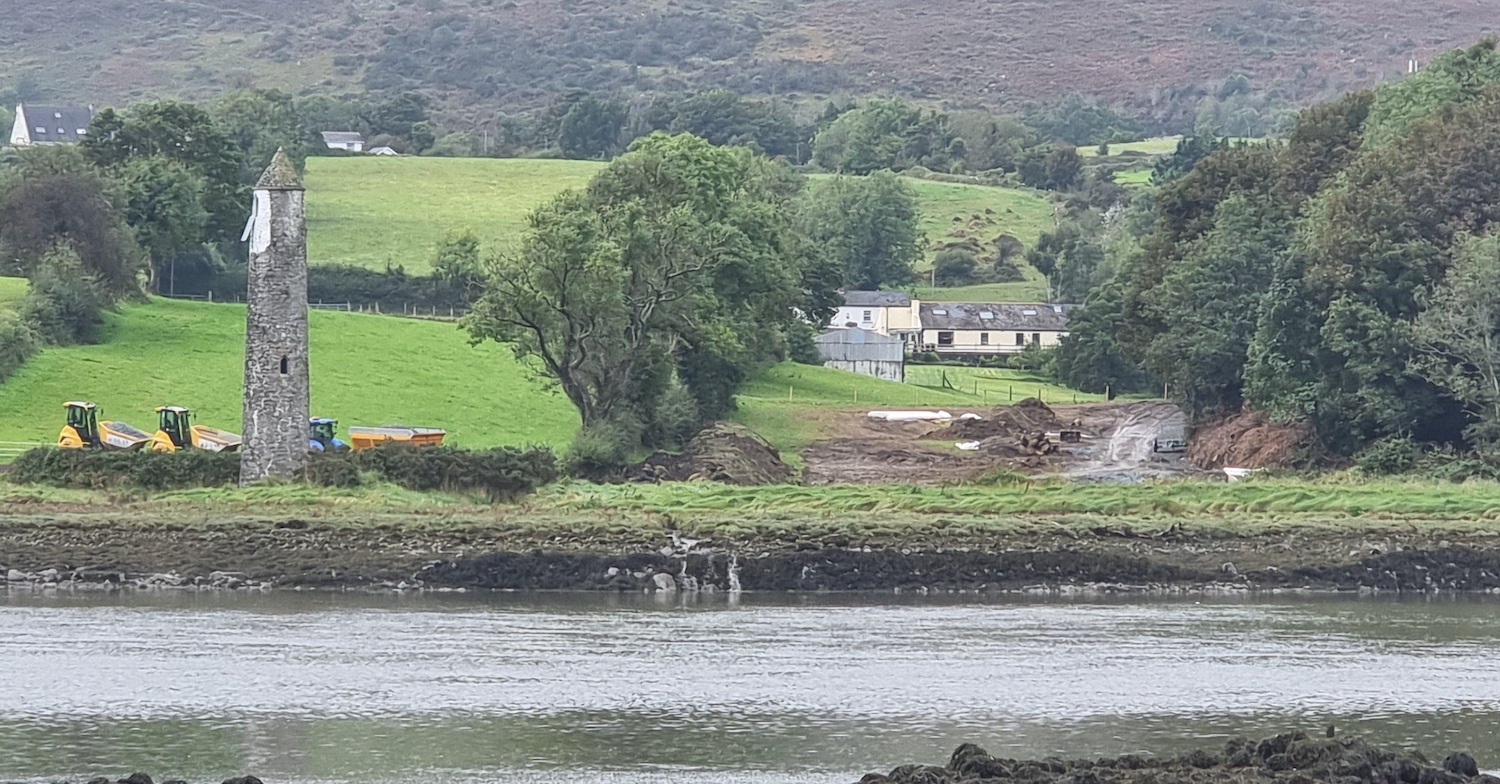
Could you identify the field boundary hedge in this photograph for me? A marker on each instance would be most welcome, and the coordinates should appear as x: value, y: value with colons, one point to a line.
x: 502, y: 472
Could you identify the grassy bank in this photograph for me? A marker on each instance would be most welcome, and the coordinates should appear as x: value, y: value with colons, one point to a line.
x: 366, y: 370
x: 372, y: 211
x: 12, y: 291
x: 1164, y: 511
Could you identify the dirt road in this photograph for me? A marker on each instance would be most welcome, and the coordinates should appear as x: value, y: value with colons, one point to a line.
x: 1116, y: 445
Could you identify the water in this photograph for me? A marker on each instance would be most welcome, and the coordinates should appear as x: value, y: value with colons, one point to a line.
x: 588, y: 689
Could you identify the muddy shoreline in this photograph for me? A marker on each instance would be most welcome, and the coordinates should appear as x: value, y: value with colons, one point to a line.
x: 88, y: 552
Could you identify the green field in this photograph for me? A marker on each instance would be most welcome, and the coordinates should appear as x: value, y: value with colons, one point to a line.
x: 12, y: 291
x: 1161, y: 145
x: 375, y: 210
x: 1134, y: 178
x: 995, y: 386
x: 1022, y: 214
x: 369, y: 370
x: 1032, y: 289
x: 366, y: 370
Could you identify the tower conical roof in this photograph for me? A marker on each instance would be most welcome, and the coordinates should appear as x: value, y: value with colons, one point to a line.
x: 281, y: 175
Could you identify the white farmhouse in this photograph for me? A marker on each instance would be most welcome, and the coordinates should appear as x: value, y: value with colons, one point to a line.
x: 892, y: 313
x: 968, y: 329
x: 344, y: 140
x: 50, y: 124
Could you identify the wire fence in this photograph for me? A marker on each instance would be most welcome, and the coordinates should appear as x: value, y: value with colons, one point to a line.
x: 10, y: 450
x: 406, y: 309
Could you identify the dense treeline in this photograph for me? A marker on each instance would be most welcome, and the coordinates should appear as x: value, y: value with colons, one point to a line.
x: 1348, y: 277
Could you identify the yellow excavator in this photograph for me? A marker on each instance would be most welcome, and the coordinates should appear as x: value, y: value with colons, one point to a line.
x: 84, y: 430
x: 175, y: 430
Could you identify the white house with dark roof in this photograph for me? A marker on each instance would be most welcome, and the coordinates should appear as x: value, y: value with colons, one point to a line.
x: 37, y: 124
x: 892, y: 313
x: 344, y: 140
x: 990, y: 328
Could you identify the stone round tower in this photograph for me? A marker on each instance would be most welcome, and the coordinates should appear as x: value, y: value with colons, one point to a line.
x: 276, y: 377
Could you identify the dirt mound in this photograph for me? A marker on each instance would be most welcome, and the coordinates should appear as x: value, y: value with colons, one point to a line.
x: 1248, y: 440
x: 722, y: 452
x: 1023, y: 418
x: 1292, y: 758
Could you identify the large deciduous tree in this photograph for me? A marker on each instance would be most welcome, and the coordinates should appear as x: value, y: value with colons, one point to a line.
x: 866, y: 226
x: 652, y: 292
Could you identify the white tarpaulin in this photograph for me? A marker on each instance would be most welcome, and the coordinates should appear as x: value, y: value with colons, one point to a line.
x: 910, y: 416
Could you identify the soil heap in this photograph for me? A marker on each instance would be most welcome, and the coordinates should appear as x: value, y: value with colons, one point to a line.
x: 1248, y: 440
x: 1292, y: 758
x: 1025, y: 417
x: 722, y: 452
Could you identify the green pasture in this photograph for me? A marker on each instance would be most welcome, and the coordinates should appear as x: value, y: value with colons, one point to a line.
x: 366, y: 370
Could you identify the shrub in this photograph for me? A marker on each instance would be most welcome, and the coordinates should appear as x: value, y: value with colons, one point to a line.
x: 17, y: 344
x: 330, y: 469
x: 601, y: 448
x: 1389, y: 456
x: 800, y: 346
x: 65, y: 303
x: 502, y: 472
x: 94, y: 469
x: 954, y: 268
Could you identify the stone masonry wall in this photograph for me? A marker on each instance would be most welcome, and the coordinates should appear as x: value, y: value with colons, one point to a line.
x: 276, y: 355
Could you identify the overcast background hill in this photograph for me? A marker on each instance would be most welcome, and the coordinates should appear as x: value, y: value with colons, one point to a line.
x: 1154, y: 59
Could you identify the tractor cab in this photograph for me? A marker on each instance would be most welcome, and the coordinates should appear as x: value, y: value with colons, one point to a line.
x: 323, y: 435
x: 82, y: 428
x: 176, y: 423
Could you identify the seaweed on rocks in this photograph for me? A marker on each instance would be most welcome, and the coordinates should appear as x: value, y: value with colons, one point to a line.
x: 1289, y: 758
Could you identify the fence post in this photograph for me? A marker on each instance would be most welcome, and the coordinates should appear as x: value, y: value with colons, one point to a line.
x: 1012, y: 393
x: 1039, y: 395
x: 210, y: 296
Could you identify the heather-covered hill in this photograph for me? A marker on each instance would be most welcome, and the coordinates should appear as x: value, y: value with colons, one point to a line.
x: 478, y: 57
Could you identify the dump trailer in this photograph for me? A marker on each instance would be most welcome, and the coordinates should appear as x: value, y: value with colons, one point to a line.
x: 176, y: 431
x: 323, y: 435
x: 367, y: 437
x: 84, y: 430
x: 1170, y: 439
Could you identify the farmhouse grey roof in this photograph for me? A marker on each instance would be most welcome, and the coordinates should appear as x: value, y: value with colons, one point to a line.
x: 877, y: 299
x: 994, y: 316
x: 56, y: 124
x: 342, y: 137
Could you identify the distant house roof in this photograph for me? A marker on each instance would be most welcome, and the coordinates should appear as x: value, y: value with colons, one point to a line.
x: 342, y: 137
x: 855, y: 335
x: 382, y: 150
x: 877, y: 299
x: 56, y: 124
x: 994, y: 315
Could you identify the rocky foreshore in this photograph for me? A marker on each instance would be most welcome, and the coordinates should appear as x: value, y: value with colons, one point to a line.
x: 1292, y: 758
x: 43, y: 553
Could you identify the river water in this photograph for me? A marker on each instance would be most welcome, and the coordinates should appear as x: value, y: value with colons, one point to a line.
x: 587, y: 689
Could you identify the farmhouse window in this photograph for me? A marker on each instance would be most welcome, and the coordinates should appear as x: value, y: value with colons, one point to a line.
x: 1020, y: 338
x: 945, y: 338
x: 868, y: 316
x: 1036, y: 337
x: 984, y: 338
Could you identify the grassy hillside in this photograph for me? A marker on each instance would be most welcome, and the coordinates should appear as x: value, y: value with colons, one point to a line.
x: 12, y: 290
x: 370, y: 370
x: 477, y: 57
x: 366, y: 370
x: 371, y: 211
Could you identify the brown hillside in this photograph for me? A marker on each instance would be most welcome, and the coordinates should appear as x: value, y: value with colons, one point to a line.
x: 482, y: 56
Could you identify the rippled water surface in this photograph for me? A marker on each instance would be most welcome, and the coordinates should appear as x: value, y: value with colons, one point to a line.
x: 589, y: 688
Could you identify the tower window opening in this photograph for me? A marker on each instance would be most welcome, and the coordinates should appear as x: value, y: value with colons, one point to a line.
x: 285, y: 365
